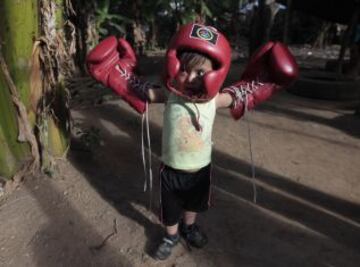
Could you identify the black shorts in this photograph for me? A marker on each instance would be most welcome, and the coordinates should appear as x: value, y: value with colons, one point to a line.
x: 181, y: 191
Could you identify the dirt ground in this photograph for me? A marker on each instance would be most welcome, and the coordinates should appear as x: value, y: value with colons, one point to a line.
x: 93, y: 212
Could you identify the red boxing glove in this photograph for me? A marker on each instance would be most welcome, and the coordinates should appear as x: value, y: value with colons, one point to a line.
x: 270, y: 69
x: 112, y: 62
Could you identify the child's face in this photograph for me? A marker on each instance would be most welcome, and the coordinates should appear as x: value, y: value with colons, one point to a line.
x: 190, y: 79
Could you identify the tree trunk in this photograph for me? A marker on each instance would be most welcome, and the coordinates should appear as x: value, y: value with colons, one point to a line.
x: 82, y: 17
x: 346, y: 39
x: 153, y: 33
x: 288, y: 17
x: 52, y: 107
x: 261, y: 24
x: 260, y: 20
x: 320, y: 40
x: 178, y: 16
x: 19, y: 28
x: 34, y: 117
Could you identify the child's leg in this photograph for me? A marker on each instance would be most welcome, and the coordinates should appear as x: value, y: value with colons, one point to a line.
x: 172, y: 230
x: 170, y: 240
x: 189, y: 217
x: 190, y: 231
x: 197, y: 200
x: 170, y: 212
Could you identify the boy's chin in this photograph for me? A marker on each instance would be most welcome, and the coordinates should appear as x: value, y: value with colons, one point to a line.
x: 194, y: 96
x: 193, y: 91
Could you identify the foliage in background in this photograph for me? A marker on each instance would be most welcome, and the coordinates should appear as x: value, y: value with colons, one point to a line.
x: 108, y: 22
x: 164, y: 16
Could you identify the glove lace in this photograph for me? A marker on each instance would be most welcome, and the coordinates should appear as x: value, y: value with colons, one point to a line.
x: 140, y: 87
x: 147, y: 168
x: 241, y: 92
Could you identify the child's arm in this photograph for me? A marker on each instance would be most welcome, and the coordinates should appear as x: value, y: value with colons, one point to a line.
x: 270, y: 69
x: 223, y: 100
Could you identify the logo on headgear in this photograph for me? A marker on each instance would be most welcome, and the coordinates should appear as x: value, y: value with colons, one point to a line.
x: 204, y: 33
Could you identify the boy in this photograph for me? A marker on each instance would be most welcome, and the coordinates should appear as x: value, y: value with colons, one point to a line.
x: 198, y: 60
x: 186, y: 153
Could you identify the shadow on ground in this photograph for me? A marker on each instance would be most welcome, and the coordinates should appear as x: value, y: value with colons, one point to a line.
x: 65, y: 238
x: 115, y: 171
x: 347, y: 122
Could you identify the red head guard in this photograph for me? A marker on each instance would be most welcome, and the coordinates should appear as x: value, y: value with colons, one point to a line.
x: 208, y: 41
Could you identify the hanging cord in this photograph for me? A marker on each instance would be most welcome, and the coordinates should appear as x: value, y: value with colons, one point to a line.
x: 251, y: 156
x: 141, y: 88
x: 197, y: 118
x: 147, y: 163
x: 143, y: 151
x: 250, y: 88
x: 149, y: 156
x: 241, y: 95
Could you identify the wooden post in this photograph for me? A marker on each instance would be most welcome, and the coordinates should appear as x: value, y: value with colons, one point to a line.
x: 346, y: 39
x: 288, y: 16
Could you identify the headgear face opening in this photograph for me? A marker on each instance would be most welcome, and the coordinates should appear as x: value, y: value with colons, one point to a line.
x: 205, y: 40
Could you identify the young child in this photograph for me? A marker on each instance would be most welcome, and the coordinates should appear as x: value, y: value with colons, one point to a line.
x: 197, y: 62
x: 186, y: 153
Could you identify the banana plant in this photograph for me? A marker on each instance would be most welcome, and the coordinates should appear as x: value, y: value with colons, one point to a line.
x: 34, y: 121
x: 107, y: 22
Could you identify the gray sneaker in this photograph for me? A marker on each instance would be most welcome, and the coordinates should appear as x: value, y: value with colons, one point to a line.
x: 193, y: 236
x: 164, y: 249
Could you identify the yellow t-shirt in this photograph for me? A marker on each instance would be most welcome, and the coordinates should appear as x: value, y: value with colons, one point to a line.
x: 184, y: 147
